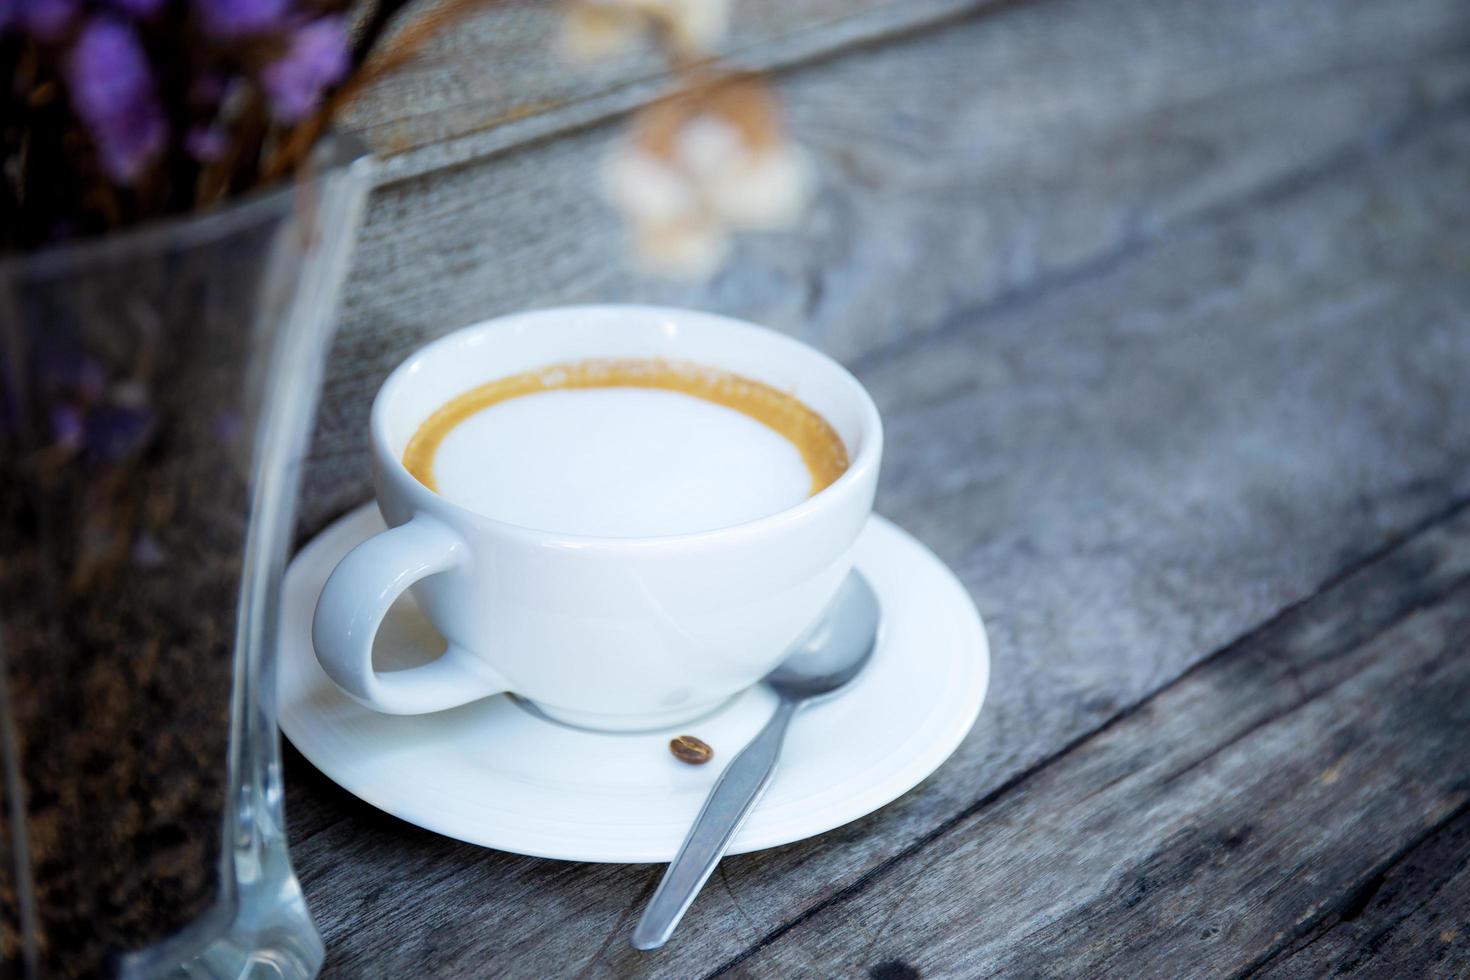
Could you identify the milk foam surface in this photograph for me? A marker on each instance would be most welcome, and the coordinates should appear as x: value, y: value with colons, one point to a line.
x: 620, y: 462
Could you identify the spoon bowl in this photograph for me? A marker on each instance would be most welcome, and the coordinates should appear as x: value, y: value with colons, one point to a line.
x: 834, y: 650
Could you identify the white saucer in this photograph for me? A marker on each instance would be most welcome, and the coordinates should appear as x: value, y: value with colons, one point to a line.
x: 495, y: 773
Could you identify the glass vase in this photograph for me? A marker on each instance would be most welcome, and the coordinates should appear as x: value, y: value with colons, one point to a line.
x: 157, y: 389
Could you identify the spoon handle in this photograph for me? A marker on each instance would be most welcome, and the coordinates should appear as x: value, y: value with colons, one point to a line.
x: 729, y: 803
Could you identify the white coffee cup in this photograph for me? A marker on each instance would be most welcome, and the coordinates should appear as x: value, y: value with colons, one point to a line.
x: 603, y: 632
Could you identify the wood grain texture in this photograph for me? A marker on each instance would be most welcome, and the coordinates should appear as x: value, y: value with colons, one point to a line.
x: 1411, y: 919
x: 1129, y: 470
x: 963, y: 168
x: 496, y: 80
x: 1235, y: 810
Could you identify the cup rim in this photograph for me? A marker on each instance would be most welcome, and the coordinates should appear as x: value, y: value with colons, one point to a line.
x: 860, y: 469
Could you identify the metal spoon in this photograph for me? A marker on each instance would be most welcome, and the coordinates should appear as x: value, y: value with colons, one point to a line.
x: 826, y: 658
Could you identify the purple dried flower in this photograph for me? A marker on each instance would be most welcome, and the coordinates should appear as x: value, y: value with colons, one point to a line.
x: 206, y: 143
x: 241, y: 18
x: 139, y: 8
x: 116, y: 432
x: 49, y: 19
x: 66, y: 426
x: 316, y: 59
x: 112, y: 92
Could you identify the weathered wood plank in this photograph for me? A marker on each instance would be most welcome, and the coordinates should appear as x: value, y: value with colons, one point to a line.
x: 1192, y: 838
x: 1261, y: 793
x: 495, y: 81
x: 1128, y: 472
x: 962, y: 167
x: 1412, y: 920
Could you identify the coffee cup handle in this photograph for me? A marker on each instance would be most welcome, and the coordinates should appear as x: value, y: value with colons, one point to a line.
x: 358, y: 595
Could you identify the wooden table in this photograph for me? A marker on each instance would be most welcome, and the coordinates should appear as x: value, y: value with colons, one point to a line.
x: 1171, y: 335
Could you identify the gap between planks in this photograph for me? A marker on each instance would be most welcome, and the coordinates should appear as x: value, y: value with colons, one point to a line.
x: 1350, y: 906
x: 1374, y: 917
x: 1352, y: 156
x: 1404, y: 132
x: 793, y: 51
x: 1460, y: 508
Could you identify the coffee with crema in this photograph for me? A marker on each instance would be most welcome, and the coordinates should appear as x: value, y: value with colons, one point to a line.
x: 626, y: 448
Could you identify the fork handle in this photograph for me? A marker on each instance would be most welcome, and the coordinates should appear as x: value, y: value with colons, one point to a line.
x: 729, y: 803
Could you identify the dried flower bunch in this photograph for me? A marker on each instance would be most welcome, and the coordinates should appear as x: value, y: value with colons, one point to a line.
x: 124, y: 110
x: 710, y: 159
